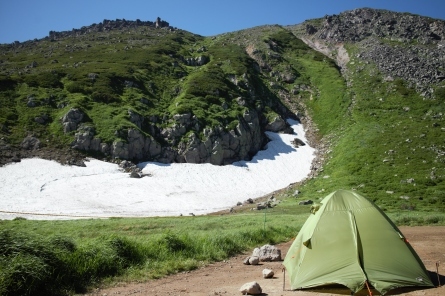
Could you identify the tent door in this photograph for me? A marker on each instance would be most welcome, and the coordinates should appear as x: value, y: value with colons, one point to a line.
x: 358, y: 245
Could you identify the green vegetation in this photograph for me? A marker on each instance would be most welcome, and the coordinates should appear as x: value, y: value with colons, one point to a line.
x: 384, y: 140
x: 108, y: 73
x: 62, y: 257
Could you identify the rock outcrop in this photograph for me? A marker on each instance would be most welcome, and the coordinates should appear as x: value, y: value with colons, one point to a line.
x: 223, y: 147
x: 402, y: 45
x: 217, y: 146
x: 72, y: 119
x: 107, y: 25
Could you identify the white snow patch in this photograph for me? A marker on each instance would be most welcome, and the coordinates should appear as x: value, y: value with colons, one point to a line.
x: 42, y: 189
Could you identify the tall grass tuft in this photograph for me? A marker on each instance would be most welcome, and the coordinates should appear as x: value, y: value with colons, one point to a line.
x: 31, y: 265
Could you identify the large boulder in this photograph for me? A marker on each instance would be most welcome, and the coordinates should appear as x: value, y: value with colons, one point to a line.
x: 267, y: 253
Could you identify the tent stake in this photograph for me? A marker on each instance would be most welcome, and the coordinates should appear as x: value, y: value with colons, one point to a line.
x: 284, y: 277
x: 369, y: 290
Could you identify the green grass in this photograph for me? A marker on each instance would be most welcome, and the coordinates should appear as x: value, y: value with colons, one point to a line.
x: 62, y: 257
x: 386, y: 140
x: 65, y: 257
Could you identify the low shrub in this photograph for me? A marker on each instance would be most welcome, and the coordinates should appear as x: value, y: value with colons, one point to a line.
x: 435, y: 219
x: 128, y: 252
x: 105, y: 97
x: 78, y: 87
x: 45, y: 79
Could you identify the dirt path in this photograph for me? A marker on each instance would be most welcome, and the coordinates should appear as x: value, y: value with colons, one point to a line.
x: 225, y: 278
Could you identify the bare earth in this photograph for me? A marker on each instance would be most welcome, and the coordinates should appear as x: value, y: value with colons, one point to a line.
x: 226, y: 278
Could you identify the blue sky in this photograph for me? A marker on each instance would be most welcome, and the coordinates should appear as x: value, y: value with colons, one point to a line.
x: 23, y: 20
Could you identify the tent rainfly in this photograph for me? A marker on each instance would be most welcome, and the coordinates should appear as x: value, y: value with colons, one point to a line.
x: 348, y: 240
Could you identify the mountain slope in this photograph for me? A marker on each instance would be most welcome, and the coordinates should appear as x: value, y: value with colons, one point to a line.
x: 138, y: 92
x: 392, y: 147
x: 368, y: 84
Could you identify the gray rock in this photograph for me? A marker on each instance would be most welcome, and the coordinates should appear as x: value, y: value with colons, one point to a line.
x: 145, y: 101
x: 268, y: 273
x: 421, y: 64
x: 261, y: 206
x: 267, y: 253
x: 252, y: 288
x: 31, y: 102
x: 276, y: 125
x: 42, y: 119
x: 183, y: 119
x: 297, y: 143
x: 30, y: 143
x: 305, y: 202
x: 202, y: 60
x: 84, y: 139
x: 219, y: 146
x: 138, y: 147
x: 119, y: 149
x: 92, y: 76
x: 254, y: 260
x: 135, y: 174
x: 136, y: 118
x: 126, y: 164
x: 72, y: 119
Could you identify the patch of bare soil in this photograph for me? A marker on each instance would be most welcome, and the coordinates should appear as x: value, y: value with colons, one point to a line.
x: 226, y: 278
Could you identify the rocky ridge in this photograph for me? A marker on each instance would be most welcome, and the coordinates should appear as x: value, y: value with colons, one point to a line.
x: 402, y: 45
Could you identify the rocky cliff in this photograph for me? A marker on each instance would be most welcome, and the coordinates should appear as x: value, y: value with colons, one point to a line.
x: 402, y: 45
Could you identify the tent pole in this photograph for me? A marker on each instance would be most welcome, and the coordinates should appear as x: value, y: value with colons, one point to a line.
x: 437, y: 272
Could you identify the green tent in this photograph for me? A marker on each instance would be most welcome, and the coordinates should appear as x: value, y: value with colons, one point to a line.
x: 348, y: 240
